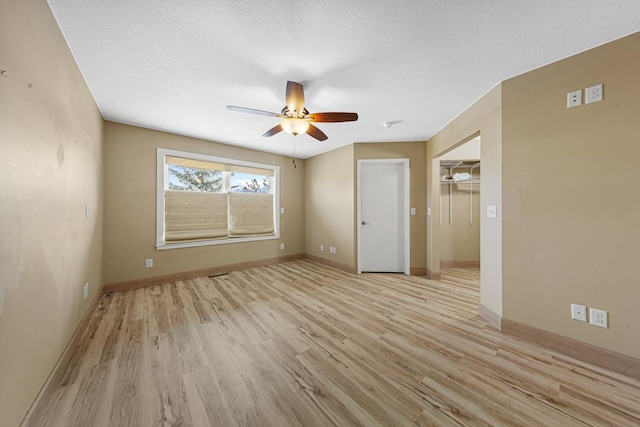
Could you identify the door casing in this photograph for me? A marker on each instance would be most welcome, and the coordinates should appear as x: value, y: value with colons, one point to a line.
x: 405, y: 209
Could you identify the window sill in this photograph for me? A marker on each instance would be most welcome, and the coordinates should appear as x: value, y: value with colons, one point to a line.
x: 166, y: 246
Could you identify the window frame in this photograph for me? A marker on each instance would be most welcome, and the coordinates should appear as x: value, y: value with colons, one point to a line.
x: 162, y: 179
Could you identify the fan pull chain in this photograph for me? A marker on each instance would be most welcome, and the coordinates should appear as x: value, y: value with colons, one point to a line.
x: 293, y: 138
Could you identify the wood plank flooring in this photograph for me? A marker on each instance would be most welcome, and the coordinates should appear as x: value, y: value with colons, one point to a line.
x: 299, y: 343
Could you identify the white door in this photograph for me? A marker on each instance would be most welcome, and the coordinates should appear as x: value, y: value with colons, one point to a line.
x: 383, y: 223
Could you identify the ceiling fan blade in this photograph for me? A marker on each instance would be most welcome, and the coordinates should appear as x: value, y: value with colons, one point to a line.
x: 254, y: 111
x: 276, y: 129
x: 295, y: 97
x: 333, y: 117
x: 316, y: 133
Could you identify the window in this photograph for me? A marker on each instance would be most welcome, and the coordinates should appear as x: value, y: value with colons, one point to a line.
x: 205, y: 200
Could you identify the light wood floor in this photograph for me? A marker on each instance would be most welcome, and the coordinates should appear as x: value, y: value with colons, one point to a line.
x: 299, y: 343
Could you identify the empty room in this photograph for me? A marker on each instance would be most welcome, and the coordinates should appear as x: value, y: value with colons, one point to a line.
x: 417, y: 213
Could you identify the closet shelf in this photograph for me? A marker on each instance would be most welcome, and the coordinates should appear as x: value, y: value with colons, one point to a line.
x: 470, y: 181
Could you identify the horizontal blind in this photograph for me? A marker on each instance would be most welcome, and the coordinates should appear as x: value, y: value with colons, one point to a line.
x: 250, y: 214
x: 251, y: 170
x: 192, y: 163
x: 203, y: 164
x: 195, y: 215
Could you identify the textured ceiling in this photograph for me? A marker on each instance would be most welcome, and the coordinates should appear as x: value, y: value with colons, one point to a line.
x: 174, y: 65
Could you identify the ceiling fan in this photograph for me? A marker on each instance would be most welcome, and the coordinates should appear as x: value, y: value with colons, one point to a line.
x: 296, y: 118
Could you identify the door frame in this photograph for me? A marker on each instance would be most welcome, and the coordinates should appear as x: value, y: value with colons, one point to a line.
x: 405, y: 214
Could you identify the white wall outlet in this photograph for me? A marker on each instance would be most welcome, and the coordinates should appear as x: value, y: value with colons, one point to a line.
x: 579, y: 312
x: 282, y: 246
x: 413, y: 211
x: 598, y: 318
x: 148, y: 263
x: 574, y: 98
x: 321, y: 248
x: 335, y: 250
x: 85, y: 290
x: 492, y: 211
x: 86, y: 211
x: 282, y: 210
x: 332, y: 250
x: 593, y: 94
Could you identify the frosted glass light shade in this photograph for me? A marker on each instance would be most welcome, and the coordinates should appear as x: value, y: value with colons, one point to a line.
x: 295, y: 126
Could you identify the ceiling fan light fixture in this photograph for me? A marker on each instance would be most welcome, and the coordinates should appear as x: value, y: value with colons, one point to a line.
x: 295, y: 126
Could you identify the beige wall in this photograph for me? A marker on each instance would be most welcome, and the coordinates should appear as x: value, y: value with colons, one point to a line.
x: 330, y: 199
x: 460, y: 238
x: 483, y: 118
x: 51, y: 144
x: 330, y: 206
x: 130, y: 206
x: 571, y: 201
x: 415, y: 152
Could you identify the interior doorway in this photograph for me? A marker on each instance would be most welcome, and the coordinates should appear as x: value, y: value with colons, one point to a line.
x: 458, y: 220
x: 383, y: 216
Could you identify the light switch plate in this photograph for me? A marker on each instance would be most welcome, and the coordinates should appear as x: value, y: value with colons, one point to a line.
x: 413, y: 211
x: 574, y: 98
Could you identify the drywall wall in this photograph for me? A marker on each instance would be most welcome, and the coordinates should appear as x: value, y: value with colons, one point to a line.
x: 571, y: 203
x: 459, y: 229
x: 130, y: 207
x: 330, y: 206
x: 51, y: 144
x: 415, y: 152
x: 483, y: 118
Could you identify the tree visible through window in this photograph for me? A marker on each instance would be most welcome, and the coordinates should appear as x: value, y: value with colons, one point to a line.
x: 209, y: 200
x: 194, y: 179
x: 250, y: 183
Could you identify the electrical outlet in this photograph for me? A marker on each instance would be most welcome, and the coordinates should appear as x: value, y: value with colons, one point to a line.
x: 282, y: 246
x: 321, y: 248
x: 579, y: 312
x: 593, y: 94
x: 86, y: 211
x: 574, y: 98
x: 85, y: 290
x: 598, y: 318
x: 149, y: 263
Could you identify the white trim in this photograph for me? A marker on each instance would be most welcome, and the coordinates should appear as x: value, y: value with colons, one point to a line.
x: 216, y: 242
x: 162, y: 178
x: 359, y: 213
x: 160, y: 184
x: 406, y: 208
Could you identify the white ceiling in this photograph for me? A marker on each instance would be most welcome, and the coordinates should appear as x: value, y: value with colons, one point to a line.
x: 174, y: 65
